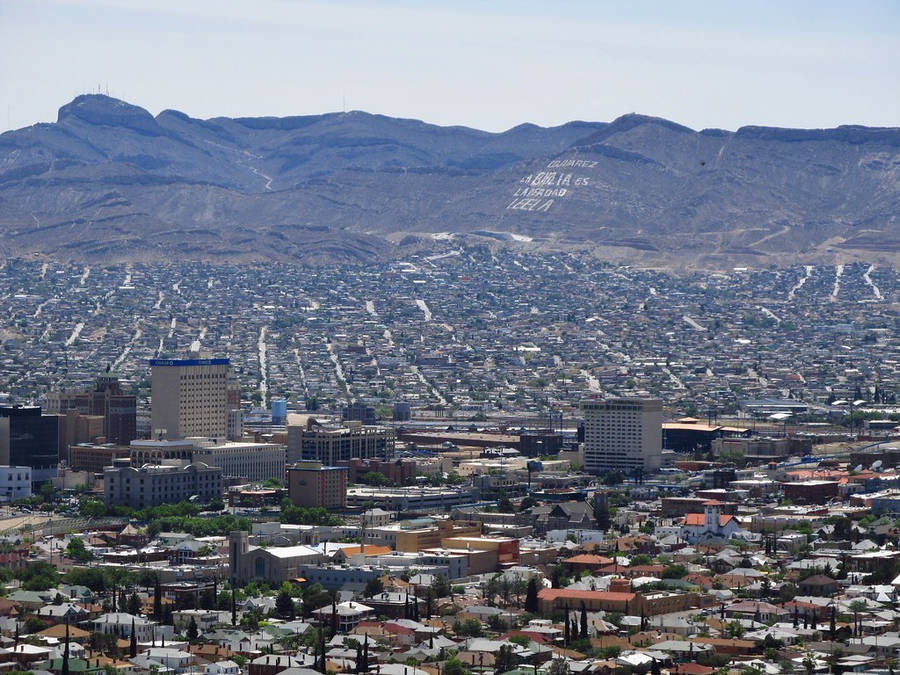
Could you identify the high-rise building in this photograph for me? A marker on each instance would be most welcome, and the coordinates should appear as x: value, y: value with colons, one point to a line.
x: 622, y: 434
x: 189, y: 398
x: 359, y: 412
x: 75, y: 428
x: 28, y: 438
x: 118, y: 409
x: 279, y: 410
x: 234, y: 426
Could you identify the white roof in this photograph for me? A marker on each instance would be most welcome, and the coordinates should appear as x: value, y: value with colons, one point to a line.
x: 289, y: 551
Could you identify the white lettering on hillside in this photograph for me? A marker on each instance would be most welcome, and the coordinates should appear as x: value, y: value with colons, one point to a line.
x: 538, y: 191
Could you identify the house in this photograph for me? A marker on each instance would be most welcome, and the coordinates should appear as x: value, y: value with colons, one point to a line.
x: 396, y: 605
x: 754, y: 609
x: 175, y: 659
x: 270, y: 664
x: 345, y: 614
x: 25, y: 655
x: 819, y: 584
x: 31, y: 600
x: 227, y: 667
x: 65, y: 610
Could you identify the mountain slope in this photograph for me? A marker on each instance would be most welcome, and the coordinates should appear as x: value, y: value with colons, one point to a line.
x: 108, y: 181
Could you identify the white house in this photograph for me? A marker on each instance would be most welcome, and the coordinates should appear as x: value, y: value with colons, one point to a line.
x: 206, y: 619
x: 175, y: 659
x: 349, y: 614
x: 222, y: 668
x: 119, y: 623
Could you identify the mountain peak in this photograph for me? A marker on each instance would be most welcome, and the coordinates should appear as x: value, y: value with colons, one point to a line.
x: 101, y: 110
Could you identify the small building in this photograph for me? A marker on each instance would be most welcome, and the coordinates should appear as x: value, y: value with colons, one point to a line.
x: 811, y: 491
x: 271, y: 664
x: 345, y: 614
x: 395, y: 605
x: 15, y: 482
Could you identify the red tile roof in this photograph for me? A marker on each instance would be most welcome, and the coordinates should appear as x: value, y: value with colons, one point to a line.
x: 699, y: 519
x: 691, y: 668
x: 588, y: 559
x: 554, y: 593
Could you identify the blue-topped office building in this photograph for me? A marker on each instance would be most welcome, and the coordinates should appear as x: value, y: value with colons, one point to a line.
x: 189, y: 398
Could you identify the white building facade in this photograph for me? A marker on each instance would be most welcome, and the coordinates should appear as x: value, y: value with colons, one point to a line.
x: 15, y: 482
x: 622, y: 434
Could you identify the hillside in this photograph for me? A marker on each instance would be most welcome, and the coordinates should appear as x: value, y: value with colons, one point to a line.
x: 108, y: 181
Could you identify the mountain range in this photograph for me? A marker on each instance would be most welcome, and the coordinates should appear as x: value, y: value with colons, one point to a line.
x: 109, y: 182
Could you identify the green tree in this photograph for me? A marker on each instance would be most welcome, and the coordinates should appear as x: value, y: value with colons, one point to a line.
x: 559, y: 666
x: 284, y: 604
x: 192, y: 632
x: 134, y: 604
x: 674, y: 571
x: 467, y: 627
x: 733, y: 629
x: 374, y: 586
x: 505, y: 660
x: 76, y: 550
x: 453, y: 666
x: 38, y: 576
x: 317, y: 515
x: 374, y: 478
x: 441, y: 586
x: 91, y: 508
x: 35, y: 625
x: 531, y: 596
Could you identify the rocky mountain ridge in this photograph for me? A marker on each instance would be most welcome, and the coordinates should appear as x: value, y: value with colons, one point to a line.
x: 109, y: 181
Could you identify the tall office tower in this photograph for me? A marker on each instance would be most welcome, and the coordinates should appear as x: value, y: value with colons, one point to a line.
x: 119, y: 410
x: 189, y: 398
x: 622, y: 434
x: 28, y: 438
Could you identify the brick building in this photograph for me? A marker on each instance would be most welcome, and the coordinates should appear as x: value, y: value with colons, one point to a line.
x: 398, y: 472
x: 312, y: 484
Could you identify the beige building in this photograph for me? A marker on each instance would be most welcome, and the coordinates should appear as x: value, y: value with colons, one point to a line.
x: 413, y: 536
x: 189, y: 398
x: 124, y: 485
x: 622, y: 434
x: 253, y: 461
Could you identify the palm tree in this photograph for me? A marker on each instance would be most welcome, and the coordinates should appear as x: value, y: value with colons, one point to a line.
x: 809, y: 663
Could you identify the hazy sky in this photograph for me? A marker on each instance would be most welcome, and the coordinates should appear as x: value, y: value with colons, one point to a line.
x: 486, y: 64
